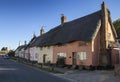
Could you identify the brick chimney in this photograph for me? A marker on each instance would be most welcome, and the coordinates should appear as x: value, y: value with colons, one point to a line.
x: 34, y: 35
x: 104, y: 58
x: 42, y: 31
x: 63, y: 19
x: 104, y: 23
x: 19, y: 43
x: 25, y: 43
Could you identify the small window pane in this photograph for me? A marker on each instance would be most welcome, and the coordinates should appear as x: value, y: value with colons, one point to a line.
x: 82, y: 55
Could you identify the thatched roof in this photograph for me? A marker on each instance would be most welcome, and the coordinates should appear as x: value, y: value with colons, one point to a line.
x: 19, y: 48
x: 81, y: 29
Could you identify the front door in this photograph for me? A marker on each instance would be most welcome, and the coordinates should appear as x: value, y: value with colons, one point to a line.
x: 73, y: 58
x: 44, y: 58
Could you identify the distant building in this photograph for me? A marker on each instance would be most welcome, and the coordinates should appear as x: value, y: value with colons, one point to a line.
x: 4, y: 51
x: 20, y: 51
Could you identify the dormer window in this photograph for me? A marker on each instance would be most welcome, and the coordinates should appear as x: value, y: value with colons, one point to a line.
x: 82, y: 43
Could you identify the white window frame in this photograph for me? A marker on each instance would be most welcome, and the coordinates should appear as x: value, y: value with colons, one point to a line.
x: 82, y: 55
x: 109, y: 36
x: 36, y: 55
x: 61, y: 54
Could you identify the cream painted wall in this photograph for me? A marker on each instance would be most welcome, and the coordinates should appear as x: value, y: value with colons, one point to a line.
x: 20, y: 54
x: 48, y: 51
x: 27, y: 53
x: 111, y: 32
x: 16, y: 53
x: 34, y: 52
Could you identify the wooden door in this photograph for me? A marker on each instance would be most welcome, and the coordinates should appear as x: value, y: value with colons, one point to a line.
x: 73, y: 58
x: 44, y: 58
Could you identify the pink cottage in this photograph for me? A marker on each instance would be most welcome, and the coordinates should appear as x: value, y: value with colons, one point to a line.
x: 87, y: 40
x: 84, y: 41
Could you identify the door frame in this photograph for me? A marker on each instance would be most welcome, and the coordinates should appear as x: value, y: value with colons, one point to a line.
x: 74, y: 58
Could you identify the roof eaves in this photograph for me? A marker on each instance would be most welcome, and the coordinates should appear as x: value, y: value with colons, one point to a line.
x: 97, y: 30
x: 113, y: 28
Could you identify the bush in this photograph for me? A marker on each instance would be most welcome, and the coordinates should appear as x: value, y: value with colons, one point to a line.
x: 61, y: 62
x: 48, y: 63
x: 11, y: 53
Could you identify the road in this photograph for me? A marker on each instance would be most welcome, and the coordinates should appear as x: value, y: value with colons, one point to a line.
x: 11, y: 71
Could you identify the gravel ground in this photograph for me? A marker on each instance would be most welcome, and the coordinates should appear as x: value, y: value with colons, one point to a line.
x: 90, y: 76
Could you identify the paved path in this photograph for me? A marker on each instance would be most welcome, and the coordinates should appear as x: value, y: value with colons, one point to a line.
x: 91, y: 76
x: 11, y: 71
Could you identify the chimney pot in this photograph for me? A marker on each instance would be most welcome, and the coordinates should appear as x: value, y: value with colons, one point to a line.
x: 42, y: 31
x: 63, y: 19
x: 34, y: 35
x: 25, y: 42
x: 19, y: 43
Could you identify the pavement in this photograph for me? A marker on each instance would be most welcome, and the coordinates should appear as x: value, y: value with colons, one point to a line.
x: 89, y: 76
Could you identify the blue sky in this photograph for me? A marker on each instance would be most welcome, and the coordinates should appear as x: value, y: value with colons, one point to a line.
x: 19, y: 19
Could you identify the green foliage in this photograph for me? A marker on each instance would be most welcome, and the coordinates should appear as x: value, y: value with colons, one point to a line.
x: 61, y: 61
x: 11, y: 53
x: 4, y: 49
x: 117, y: 26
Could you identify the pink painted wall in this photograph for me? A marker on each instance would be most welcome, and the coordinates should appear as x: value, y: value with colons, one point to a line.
x: 115, y: 56
x: 74, y: 47
x: 96, y: 52
x: 92, y: 56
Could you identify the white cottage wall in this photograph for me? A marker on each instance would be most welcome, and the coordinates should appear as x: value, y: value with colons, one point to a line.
x: 47, y: 52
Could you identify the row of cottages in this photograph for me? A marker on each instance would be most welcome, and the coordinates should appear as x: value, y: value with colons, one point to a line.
x: 41, y: 54
x: 20, y: 51
x: 88, y: 40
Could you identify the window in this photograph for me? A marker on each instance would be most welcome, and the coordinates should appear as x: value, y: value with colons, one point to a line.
x: 36, y: 55
x: 82, y: 55
x: 109, y: 36
x: 82, y: 43
x: 61, y: 55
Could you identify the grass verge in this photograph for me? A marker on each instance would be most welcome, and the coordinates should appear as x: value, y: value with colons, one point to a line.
x: 44, y: 68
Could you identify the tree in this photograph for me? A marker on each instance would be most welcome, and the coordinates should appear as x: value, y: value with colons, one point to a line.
x: 11, y: 53
x: 116, y: 24
x: 4, y: 49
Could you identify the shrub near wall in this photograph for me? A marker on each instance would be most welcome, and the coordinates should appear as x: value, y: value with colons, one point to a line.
x: 61, y: 62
